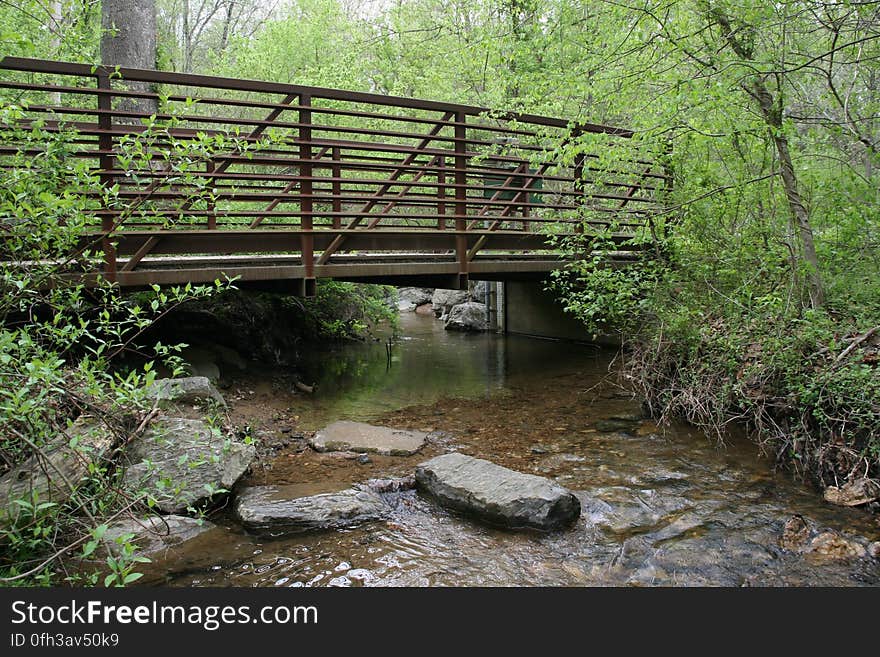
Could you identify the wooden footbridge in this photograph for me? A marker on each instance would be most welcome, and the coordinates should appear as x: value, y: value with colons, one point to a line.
x: 280, y: 183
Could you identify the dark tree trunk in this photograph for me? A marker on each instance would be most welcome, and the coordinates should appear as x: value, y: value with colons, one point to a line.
x: 771, y: 110
x: 129, y: 40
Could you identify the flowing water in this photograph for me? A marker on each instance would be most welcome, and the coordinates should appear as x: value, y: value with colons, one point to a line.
x: 659, y: 507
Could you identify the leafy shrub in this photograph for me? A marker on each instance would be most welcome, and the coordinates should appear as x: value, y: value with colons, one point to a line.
x: 58, y: 343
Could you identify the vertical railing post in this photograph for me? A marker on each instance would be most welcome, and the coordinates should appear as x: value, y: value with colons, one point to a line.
x: 579, y: 160
x: 441, y: 192
x: 461, y: 248
x: 336, y: 172
x: 667, y: 187
x: 307, y: 240
x: 212, y: 186
x: 107, y: 162
x: 527, y: 198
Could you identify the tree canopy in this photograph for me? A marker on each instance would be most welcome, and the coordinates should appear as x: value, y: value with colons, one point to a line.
x: 759, y: 301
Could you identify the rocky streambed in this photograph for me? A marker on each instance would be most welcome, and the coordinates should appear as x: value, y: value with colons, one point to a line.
x: 179, y: 463
x: 459, y: 310
x: 654, y: 506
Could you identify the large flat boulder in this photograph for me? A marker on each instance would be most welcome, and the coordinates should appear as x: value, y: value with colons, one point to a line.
x: 277, y: 510
x: 470, y: 316
x: 180, y: 462
x: 54, y: 474
x: 189, y: 389
x: 443, y: 300
x: 496, y: 494
x: 154, y: 536
x: 410, y: 298
x: 345, y: 436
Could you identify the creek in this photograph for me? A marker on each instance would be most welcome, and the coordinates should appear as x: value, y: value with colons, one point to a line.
x: 661, y: 506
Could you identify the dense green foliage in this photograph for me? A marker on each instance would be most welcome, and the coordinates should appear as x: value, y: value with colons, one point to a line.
x: 348, y: 311
x: 770, y: 110
x: 64, y: 347
x: 758, y: 294
x: 58, y: 346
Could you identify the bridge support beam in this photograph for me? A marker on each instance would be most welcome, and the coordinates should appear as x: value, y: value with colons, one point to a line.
x: 527, y: 308
x: 309, y: 287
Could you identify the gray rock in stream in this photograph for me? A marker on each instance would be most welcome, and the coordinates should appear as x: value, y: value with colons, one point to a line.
x: 625, y: 510
x: 346, y: 436
x: 277, y: 510
x: 180, y: 462
x: 188, y: 389
x: 444, y: 300
x: 615, y: 424
x: 410, y: 298
x: 496, y: 494
x: 389, y: 485
x: 853, y: 493
x: 156, y: 535
x: 553, y: 462
x: 478, y: 291
x: 470, y: 316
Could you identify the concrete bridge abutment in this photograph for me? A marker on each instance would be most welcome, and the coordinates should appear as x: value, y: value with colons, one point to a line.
x: 528, y: 308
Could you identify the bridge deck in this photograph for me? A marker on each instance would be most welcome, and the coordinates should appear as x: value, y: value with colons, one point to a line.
x: 270, y: 181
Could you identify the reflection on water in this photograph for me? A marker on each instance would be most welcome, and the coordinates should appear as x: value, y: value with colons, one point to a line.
x: 665, y: 508
x: 356, y: 381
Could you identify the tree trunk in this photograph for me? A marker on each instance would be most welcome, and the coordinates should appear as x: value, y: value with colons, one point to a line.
x: 57, y: 14
x: 772, y: 113
x: 800, y: 218
x: 802, y: 221
x: 227, y: 23
x: 129, y: 40
x: 187, y: 39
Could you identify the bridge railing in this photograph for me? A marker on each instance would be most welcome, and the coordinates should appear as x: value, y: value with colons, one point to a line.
x: 318, y: 172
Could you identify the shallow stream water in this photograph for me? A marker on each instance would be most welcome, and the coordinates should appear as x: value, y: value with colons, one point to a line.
x: 660, y: 506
